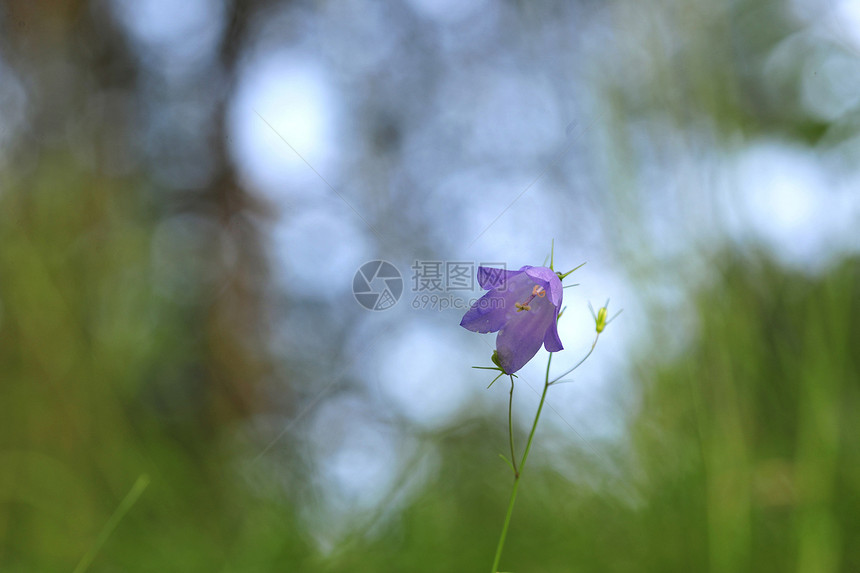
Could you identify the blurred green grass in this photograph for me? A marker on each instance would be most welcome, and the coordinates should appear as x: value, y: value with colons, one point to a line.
x: 105, y: 380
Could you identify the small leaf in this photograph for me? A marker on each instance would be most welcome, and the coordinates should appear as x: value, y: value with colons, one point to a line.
x: 495, y: 358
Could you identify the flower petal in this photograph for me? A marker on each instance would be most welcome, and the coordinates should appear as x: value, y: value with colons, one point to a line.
x: 551, y: 340
x: 547, y: 278
x: 493, y: 310
x: 522, y: 335
x: 490, y: 278
x: 490, y: 312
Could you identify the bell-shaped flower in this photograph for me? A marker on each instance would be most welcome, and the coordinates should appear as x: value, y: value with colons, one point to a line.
x: 523, y: 306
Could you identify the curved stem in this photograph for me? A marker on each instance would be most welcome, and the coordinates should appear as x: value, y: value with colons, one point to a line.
x: 537, y: 415
x: 578, y: 364
x: 511, y: 429
x: 505, y: 526
x: 518, y: 475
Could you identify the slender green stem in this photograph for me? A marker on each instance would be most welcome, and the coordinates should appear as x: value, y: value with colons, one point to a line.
x: 129, y: 500
x: 511, y: 429
x: 501, y: 545
x: 578, y: 364
x: 537, y: 415
x: 518, y: 475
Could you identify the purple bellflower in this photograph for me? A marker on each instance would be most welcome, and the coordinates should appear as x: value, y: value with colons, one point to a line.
x: 523, y: 306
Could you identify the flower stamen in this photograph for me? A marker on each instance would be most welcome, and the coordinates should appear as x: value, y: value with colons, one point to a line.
x: 522, y: 306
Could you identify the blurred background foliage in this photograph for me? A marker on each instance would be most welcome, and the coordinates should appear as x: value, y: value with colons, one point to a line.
x: 175, y: 283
